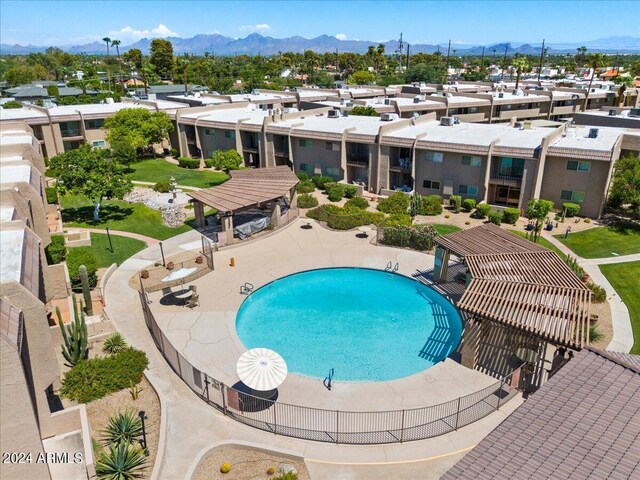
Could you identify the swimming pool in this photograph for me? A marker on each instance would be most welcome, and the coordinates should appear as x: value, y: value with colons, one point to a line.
x: 366, y: 325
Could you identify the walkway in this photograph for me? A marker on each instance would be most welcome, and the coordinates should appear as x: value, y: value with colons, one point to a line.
x: 622, y: 340
x: 143, y: 238
x: 190, y: 427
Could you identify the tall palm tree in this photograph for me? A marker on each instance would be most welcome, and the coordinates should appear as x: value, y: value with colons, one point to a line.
x: 521, y: 65
x: 595, y: 61
x: 625, y: 83
x: 107, y: 40
x: 116, y: 43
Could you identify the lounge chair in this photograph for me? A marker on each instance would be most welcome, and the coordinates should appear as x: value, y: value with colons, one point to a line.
x: 193, y: 301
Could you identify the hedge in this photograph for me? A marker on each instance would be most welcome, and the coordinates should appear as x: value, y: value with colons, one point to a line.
x: 495, y: 217
x: 417, y: 237
x: 570, y: 209
x: 56, y: 251
x: 191, y: 163
x: 77, y: 257
x: 321, y: 180
x: 468, y: 204
x: 396, y: 203
x: 52, y: 195
x: 430, y: 205
x: 350, y: 191
x: 511, y: 215
x: 456, y: 202
x: 344, y: 218
x: 208, y: 162
x: 357, y: 202
x: 302, y: 176
x: 335, y: 192
x: 397, y: 219
x: 94, y: 378
x: 307, y: 201
x: 482, y: 210
x: 306, y: 186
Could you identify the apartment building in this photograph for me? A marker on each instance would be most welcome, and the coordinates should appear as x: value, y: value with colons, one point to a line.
x: 609, y: 117
x: 59, y: 129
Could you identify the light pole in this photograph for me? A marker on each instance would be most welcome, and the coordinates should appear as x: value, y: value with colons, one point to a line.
x: 143, y: 417
x: 109, y: 238
x: 162, y: 253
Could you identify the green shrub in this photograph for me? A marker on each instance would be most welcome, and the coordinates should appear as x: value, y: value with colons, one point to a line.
x: 162, y: 187
x: 94, y: 378
x: 302, y: 176
x: 319, y: 181
x: 455, y: 201
x: 468, y: 204
x: 191, y: 163
x: 397, y: 219
x: 594, y: 333
x: 56, y: 251
x: 292, y: 475
x: 208, y: 162
x: 418, y: 237
x: 396, y: 203
x: 357, y: 202
x: 495, y: 217
x: 114, y: 343
x: 124, y: 427
x: 344, y: 218
x: 306, y: 186
x: 570, y: 209
x: 123, y: 462
x: 431, y: 205
x: 226, y: 160
x: 599, y: 293
x: 335, y: 193
x: 350, y: 191
x: 52, y: 195
x: 77, y: 257
x: 511, y: 215
x: 174, y: 152
x: 307, y: 201
x: 482, y: 210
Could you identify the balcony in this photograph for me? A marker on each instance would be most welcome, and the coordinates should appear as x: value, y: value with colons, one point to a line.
x: 565, y: 110
x: 507, y: 180
x: 69, y: 133
x: 400, y: 165
x: 250, y: 149
x: 472, y: 117
x: 191, y: 139
x: 357, y: 160
x: 282, y: 153
x: 519, y: 113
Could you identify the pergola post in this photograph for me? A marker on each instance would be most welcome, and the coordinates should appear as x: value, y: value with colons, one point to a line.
x: 441, y: 264
x: 275, y: 214
x: 227, y: 226
x: 198, y: 210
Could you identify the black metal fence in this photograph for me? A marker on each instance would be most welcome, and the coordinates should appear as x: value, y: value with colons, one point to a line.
x: 335, y: 426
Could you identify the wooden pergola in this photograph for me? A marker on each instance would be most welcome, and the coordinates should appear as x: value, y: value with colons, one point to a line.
x: 517, y: 283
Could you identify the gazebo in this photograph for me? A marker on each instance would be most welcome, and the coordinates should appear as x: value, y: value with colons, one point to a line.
x: 271, y: 190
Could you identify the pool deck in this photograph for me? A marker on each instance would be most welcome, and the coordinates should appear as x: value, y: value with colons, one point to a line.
x: 206, y: 336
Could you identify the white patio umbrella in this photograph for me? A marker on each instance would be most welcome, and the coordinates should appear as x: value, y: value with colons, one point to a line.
x: 180, y: 274
x: 261, y: 369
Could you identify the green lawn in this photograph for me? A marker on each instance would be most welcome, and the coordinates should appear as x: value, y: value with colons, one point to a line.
x: 600, y: 242
x: 117, y: 215
x: 158, y: 170
x: 543, y: 242
x: 444, y: 229
x: 623, y: 277
x: 123, y: 248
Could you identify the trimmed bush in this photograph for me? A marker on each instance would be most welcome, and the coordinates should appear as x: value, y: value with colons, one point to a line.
x: 357, y: 202
x: 482, y: 210
x: 350, y: 191
x: 511, y: 215
x: 307, y: 201
x: 599, y: 293
x: 306, y: 186
x: 455, y: 201
x: 468, y: 204
x: 56, y: 251
x: 174, y: 152
x: 302, y: 176
x: 208, y: 162
x: 495, y: 217
x: 431, y: 205
x: 335, y: 193
x: 396, y: 203
x: 397, y: 219
x: 418, y: 237
x: 52, y: 195
x: 77, y: 257
x: 190, y: 163
x: 94, y: 378
x: 319, y: 181
x: 226, y: 160
x: 162, y: 187
x: 344, y: 218
x: 570, y: 209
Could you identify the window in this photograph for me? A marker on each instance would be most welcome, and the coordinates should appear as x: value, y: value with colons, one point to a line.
x: 431, y: 184
x: 210, y: 131
x: 229, y: 134
x: 333, y: 172
x: 572, y: 196
x: 306, y: 167
x: 98, y: 143
x: 435, y: 157
x: 303, y: 142
x: 470, y: 190
x: 473, y: 109
x: 328, y: 146
x: 578, y: 166
x: 471, y: 161
x: 93, y: 124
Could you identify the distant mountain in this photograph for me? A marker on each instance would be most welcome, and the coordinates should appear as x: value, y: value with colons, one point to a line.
x: 255, y: 44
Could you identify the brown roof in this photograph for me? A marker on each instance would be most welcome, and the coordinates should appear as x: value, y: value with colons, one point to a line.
x: 583, y: 423
x: 248, y: 187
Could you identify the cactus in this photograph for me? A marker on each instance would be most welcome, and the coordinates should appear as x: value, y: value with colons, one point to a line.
x: 86, y: 290
x: 76, y: 345
x: 135, y: 390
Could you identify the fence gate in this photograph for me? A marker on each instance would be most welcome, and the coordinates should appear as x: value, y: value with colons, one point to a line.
x: 207, y: 250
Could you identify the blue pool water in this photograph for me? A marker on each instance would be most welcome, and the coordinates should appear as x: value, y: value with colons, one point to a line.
x: 368, y: 325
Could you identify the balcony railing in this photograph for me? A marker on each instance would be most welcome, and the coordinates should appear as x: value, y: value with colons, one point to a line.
x: 70, y: 133
x: 400, y: 165
x: 358, y: 159
x: 498, y: 179
x: 282, y: 153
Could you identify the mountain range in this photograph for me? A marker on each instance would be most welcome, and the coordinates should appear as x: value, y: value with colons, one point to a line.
x: 256, y: 44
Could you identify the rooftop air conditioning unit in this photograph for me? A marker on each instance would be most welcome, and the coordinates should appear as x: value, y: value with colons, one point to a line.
x: 387, y: 101
x: 109, y: 100
x: 345, y: 113
x: 448, y: 95
x: 416, y: 99
x: 519, y: 125
x: 388, y: 117
x: 613, y: 112
x: 255, y: 91
x: 593, y: 132
x: 334, y: 114
x: 501, y: 95
x: 634, y: 112
x: 264, y: 106
x: 447, y: 121
x: 456, y: 120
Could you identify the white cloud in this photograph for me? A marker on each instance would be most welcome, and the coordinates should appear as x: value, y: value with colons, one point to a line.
x: 260, y: 27
x: 130, y: 35
x: 341, y: 36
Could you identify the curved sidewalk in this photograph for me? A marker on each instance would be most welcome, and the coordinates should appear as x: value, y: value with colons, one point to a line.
x: 622, y: 340
x: 190, y: 426
x: 137, y: 236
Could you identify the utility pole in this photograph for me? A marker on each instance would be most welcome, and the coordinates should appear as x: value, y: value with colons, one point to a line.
x: 399, y: 52
x: 482, y: 60
x: 504, y: 62
x: 446, y: 73
x: 541, y: 59
x: 408, y: 48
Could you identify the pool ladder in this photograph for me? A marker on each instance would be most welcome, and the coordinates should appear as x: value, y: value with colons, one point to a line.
x: 328, y: 380
x: 246, y: 289
x: 391, y: 267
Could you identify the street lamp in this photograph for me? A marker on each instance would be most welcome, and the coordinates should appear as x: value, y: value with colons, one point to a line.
x: 109, y: 238
x: 162, y: 253
x: 143, y: 417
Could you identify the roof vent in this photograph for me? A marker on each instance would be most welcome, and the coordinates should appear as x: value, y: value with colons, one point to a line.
x: 613, y: 112
x: 387, y: 101
x: 634, y: 112
x: 501, y: 95
x: 333, y: 114
x: 388, y: 117
x: 255, y: 91
x: 447, y: 121
x: 519, y: 125
x: 416, y: 99
x: 593, y: 132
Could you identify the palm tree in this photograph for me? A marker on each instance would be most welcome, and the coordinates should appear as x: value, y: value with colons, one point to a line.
x: 116, y: 43
x: 625, y: 83
x: 521, y: 65
x: 594, y: 60
x: 107, y: 40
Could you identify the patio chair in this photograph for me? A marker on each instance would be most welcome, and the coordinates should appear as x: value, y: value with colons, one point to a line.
x: 194, y: 289
x: 193, y: 301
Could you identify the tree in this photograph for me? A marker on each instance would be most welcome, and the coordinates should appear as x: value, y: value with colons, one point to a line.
x: 625, y: 187
x: 162, y: 56
x: 21, y: 74
x: 88, y: 171
x: 581, y: 56
x: 538, y: 209
x: 368, y: 111
x: 11, y: 104
x: 625, y: 83
x: 107, y: 40
x: 226, y: 160
x: 116, y: 43
x: 362, y: 77
x: 595, y: 61
x: 182, y: 63
x: 422, y: 72
x: 521, y: 65
x: 134, y: 129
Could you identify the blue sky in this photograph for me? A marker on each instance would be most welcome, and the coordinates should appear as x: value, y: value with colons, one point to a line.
x: 476, y: 22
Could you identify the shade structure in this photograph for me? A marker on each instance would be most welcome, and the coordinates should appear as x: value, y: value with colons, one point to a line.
x: 179, y: 274
x: 261, y: 369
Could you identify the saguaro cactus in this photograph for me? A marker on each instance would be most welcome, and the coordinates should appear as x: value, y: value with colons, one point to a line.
x: 76, y: 345
x: 86, y: 290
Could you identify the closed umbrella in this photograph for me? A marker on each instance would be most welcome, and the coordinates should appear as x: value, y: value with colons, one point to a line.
x: 261, y: 369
